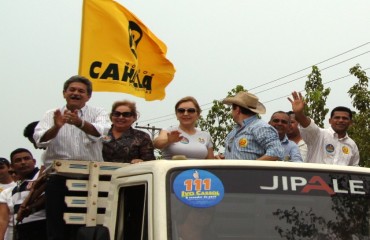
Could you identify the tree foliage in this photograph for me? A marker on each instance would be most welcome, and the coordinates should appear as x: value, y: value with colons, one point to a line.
x: 218, y: 121
x: 360, y: 131
x: 351, y: 218
x: 316, y: 97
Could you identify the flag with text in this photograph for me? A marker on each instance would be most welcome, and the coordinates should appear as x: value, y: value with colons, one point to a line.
x: 120, y: 54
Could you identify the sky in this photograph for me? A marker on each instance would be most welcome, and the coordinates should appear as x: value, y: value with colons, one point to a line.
x: 266, y: 46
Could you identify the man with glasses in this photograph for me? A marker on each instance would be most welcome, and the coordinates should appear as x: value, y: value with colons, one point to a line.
x: 251, y: 138
x: 72, y: 132
x: 281, y: 122
x: 331, y: 145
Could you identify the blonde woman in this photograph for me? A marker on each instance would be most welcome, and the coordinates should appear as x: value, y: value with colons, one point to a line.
x: 185, y: 139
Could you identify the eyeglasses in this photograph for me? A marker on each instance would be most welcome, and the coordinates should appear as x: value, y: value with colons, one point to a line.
x: 279, y: 120
x: 183, y: 110
x: 123, y: 114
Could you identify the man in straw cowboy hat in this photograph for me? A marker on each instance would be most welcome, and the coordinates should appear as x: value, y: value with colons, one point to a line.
x: 251, y: 138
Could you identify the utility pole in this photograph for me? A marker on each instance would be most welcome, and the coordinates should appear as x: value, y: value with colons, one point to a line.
x: 151, y: 129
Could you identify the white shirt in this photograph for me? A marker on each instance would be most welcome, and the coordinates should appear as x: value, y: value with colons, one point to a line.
x: 71, y: 142
x: 18, y: 197
x: 324, y: 146
x: 5, y: 197
x: 7, y: 185
x: 303, y: 149
x: 193, y: 146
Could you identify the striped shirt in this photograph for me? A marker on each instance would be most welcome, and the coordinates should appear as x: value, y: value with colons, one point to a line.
x: 253, y: 140
x: 71, y: 142
x: 15, y: 197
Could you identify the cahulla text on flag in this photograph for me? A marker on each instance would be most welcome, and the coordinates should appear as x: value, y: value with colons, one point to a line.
x: 120, y: 54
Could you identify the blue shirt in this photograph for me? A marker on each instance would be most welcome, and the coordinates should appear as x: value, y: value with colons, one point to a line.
x: 291, y: 151
x: 253, y: 140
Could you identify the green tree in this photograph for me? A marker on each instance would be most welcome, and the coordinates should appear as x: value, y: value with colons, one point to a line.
x: 351, y: 216
x: 360, y: 131
x: 316, y: 97
x: 218, y: 121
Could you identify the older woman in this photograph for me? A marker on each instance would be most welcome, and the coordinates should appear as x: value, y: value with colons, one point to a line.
x: 123, y: 143
x: 185, y: 139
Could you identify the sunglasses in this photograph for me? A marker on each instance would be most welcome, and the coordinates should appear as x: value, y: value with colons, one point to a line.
x: 183, y: 110
x: 280, y: 120
x: 123, y: 114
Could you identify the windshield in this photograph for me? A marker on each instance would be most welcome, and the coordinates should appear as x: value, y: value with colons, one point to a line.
x: 270, y: 204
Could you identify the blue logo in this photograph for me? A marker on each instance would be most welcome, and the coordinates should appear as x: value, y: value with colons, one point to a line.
x: 198, y: 188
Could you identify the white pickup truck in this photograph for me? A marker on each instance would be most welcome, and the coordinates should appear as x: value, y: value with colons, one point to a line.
x: 218, y: 199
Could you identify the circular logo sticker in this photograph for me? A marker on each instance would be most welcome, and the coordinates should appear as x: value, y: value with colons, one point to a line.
x: 329, y: 148
x: 198, y: 188
x: 243, y: 142
x: 184, y: 140
x: 345, y: 150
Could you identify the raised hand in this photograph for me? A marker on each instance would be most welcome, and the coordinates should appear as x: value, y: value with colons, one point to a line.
x: 59, y: 119
x: 298, y: 102
x: 174, y: 136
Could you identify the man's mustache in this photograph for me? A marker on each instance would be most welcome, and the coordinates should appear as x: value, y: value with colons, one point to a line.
x: 75, y: 97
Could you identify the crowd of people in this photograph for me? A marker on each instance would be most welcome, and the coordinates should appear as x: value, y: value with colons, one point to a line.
x: 78, y: 131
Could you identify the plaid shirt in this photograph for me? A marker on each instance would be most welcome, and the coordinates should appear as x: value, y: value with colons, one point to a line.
x: 253, y: 140
x: 133, y: 144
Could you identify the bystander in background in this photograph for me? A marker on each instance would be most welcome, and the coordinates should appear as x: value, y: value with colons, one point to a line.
x: 281, y: 122
x: 31, y: 224
x: 295, y: 136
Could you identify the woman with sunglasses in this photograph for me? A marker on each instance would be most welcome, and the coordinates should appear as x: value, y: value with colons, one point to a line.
x: 185, y: 139
x: 124, y: 143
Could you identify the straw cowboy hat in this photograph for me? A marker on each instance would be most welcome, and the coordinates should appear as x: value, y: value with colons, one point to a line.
x: 246, y: 100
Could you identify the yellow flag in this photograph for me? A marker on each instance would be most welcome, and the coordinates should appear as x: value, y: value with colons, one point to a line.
x: 120, y: 54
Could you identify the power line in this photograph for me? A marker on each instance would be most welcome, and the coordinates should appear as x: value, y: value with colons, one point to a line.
x: 275, y: 99
x: 362, y: 45
x: 334, y: 80
x: 171, y: 116
x: 282, y: 84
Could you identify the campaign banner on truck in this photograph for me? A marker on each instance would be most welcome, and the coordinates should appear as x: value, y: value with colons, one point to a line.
x: 198, y: 188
